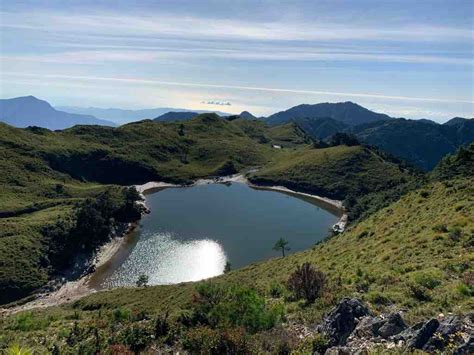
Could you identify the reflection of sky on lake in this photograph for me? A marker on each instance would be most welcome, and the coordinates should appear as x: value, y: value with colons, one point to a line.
x: 166, y: 261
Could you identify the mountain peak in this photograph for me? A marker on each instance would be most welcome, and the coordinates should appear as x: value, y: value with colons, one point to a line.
x: 27, y: 111
x: 347, y: 112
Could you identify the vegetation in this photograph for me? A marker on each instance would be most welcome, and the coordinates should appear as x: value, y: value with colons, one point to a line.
x: 387, y: 260
x: 306, y: 282
x: 412, y: 247
x: 142, y: 280
x: 281, y: 245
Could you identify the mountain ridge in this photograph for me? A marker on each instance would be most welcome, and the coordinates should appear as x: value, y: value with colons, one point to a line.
x: 27, y: 111
x: 347, y: 112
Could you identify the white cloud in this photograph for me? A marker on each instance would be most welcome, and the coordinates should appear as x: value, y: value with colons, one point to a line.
x: 152, y: 82
x: 117, y: 25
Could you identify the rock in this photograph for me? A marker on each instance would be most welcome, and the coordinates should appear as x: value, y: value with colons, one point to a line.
x: 394, y: 325
x: 467, y: 347
x: 448, y: 333
x: 423, y: 334
x: 345, y: 350
x: 368, y: 327
x: 342, y: 320
x: 383, y: 326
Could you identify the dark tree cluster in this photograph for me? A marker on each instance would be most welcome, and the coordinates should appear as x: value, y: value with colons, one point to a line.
x: 90, y: 226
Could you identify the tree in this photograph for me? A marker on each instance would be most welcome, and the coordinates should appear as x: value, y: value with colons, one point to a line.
x: 344, y: 139
x: 142, y: 280
x: 281, y: 244
x: 306, y: 282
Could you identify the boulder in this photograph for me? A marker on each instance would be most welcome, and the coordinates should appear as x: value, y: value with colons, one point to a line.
x: 383, y: 326
x: 467, y: 347
x: 419, y: 335
x: 394, y: 325
x: 342, y: 320
x: 448, y: 333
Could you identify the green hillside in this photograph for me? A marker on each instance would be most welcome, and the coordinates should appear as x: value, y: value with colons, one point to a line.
x: 413, y: 255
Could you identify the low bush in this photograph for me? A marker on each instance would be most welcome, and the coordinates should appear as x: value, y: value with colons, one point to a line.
x: 307, y: 282
x: 27, y: 322
x: 276, y: 290
x: 427, y: 278
x: 205, y: 340
x: 235, y: 306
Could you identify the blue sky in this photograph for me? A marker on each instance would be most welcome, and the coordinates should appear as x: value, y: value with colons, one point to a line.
x: 406, y: 58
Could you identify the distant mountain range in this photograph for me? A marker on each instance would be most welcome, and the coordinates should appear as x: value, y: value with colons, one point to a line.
x: 29, y: 111
x: 122, y: 116
x: 421, y: 142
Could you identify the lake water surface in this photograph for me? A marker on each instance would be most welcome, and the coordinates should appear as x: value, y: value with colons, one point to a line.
x: 191, y: 232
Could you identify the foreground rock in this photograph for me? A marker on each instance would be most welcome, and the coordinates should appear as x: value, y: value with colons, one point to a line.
x: 352, y: 329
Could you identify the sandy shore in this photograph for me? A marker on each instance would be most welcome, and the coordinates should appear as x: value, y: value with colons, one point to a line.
x: 72, y: 290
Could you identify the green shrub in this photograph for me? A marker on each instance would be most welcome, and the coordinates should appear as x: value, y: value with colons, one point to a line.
x: 205, y: 340
x: 455, y: 234
x: 378, y: 298
x: 235, y: 306
x: 440, y: 228
x: 136, y: 336
x: 121, y: 314
x: 418, y: 292
x: 16, y: 349
x: 276, y: 290
x: 313, y: 344
x: 26, y: 322
x: 424, y: 194
x: 427, y: 278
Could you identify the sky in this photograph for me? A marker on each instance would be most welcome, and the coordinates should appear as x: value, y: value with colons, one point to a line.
x: 410, y: 59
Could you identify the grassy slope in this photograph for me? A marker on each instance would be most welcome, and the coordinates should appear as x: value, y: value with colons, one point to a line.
x: 358, y: 170
x: 379, y: 260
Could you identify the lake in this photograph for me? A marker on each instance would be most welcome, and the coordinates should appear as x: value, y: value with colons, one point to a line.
x: 192, y: 232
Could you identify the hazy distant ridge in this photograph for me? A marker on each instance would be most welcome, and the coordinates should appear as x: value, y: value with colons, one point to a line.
x: 29, y: 111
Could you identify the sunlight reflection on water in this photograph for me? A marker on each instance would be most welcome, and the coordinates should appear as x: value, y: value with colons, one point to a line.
x: 166, y: 261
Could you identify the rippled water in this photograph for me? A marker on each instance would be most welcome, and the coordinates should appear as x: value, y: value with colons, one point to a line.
x: 192, y: 232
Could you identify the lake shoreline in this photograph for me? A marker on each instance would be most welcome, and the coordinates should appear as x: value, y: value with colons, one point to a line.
x: 71, y: 291
x: 340, y: 226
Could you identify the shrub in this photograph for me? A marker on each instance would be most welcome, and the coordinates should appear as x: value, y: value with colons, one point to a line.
x: 205, y: 340
x: 234, y: 306
x: 307, y: 282
x: 427, y: 278
x: 142, y: 280
x: 455, y: 234
x: 136, y: 337
x: 16, y: 349
x: 424, y: 194
x: 162, y: 325
x: 440, y: 228
x: 27, y: 322
x: 418, y: 292
x: 121, y: 314
x: 276, y: 290
x: 378, y: 298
